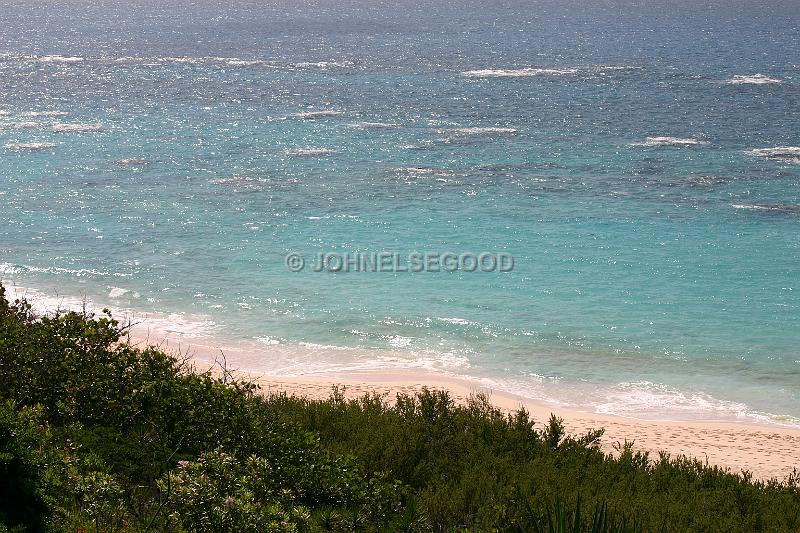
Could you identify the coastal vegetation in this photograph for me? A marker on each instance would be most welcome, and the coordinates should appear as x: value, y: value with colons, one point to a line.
x: 98, y: 435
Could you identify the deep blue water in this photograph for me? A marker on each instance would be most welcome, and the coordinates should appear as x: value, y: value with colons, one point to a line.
x: 640, y: 162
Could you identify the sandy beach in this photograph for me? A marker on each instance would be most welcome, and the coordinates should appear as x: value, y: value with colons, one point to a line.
x: 767, y: 451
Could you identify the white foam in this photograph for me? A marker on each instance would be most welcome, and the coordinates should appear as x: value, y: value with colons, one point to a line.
x: 398, y: 341
x: 28, y: 147
x: 518, y: 73
x: 20, y: 125
x: 322, y: 64
x: 325, y: 113
x: 152, y: 325
x: 374, y: 125
x: 778, y: 208
x: 491, y: 130
x: 670, y: 141
x: 309, y: 152
x: 456, y: 320
x: 59, y: 59
x: 645, y: 398
x: 778, y: 151
x: 117, y: 292
x: 132, y: 162
x: 44, y: 114
x: 783, y: 154
x: 245, y: 181
x: 78, y: 272
x: 754, y: 79
x: 76, y: 128
x: 244, y: 62
x: 316, y: 346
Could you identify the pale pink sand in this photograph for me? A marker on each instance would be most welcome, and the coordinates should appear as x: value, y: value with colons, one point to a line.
x: 767, y: 451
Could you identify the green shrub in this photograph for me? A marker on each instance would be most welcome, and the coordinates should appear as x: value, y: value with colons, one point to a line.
x: 22, y: 464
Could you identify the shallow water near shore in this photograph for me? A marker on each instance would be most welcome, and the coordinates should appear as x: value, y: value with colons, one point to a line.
x: 646, y: 182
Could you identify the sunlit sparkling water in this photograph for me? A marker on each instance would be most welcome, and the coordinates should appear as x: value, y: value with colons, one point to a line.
x: 642, y: 168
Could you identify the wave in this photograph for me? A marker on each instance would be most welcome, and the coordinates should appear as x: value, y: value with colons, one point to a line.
x: 457, y: 321
x: 492, y: 130
x: 76, y: 128
x: 670, y: 141
x: 518, y: 73
x: 783, y: 154
x: 410, y: 173
x: 256, y: 182
x: 28, y: 147
x: 269, y: 341
x: 648, y: 399
x: 323, y: 64
x: 152, y: 61
x: 533, y: 72
x: 20, y: 125
x: 132, y: 162
x: 374, y: 125
x: 153, y: 326
x: 4, y: 113
x: 244, y: 62
x: 8, y: 268
x: 325, y: 113
x: 309, y: 152
x: 770, y: 208
x: 44, y: 114
x: 118, y: 292
x: 156, y: 61
x: 754, y: 79
x: 58, y: 59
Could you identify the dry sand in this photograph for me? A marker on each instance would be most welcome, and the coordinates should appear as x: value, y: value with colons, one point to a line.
x: 767, y: 451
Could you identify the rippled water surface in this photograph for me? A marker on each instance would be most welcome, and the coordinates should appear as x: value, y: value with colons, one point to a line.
x: 642, y: 165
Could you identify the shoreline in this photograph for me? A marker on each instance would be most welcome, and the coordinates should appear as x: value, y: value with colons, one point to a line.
x: 767, y: 451
x: 639, y: 396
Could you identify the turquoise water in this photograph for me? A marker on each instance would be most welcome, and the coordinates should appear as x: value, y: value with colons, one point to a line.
x: 641, y: 167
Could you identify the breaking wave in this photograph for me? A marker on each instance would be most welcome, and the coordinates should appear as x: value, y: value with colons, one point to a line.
x: 374, y: 125
x: 492, y: 130
x: 782, y: 154
x: 325, y: 113
x: 754, y: 79
x: 534, y: 72
x: 309, y: 152
x: 28, y: 147
x: 772, y: 208
x: 76, y: 128
x: 670, y: 141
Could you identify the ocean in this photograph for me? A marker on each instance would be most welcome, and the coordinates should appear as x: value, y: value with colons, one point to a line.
x: 640, y: 163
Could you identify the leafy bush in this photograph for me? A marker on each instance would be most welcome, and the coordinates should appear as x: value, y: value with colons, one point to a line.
x: 22, y: 465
